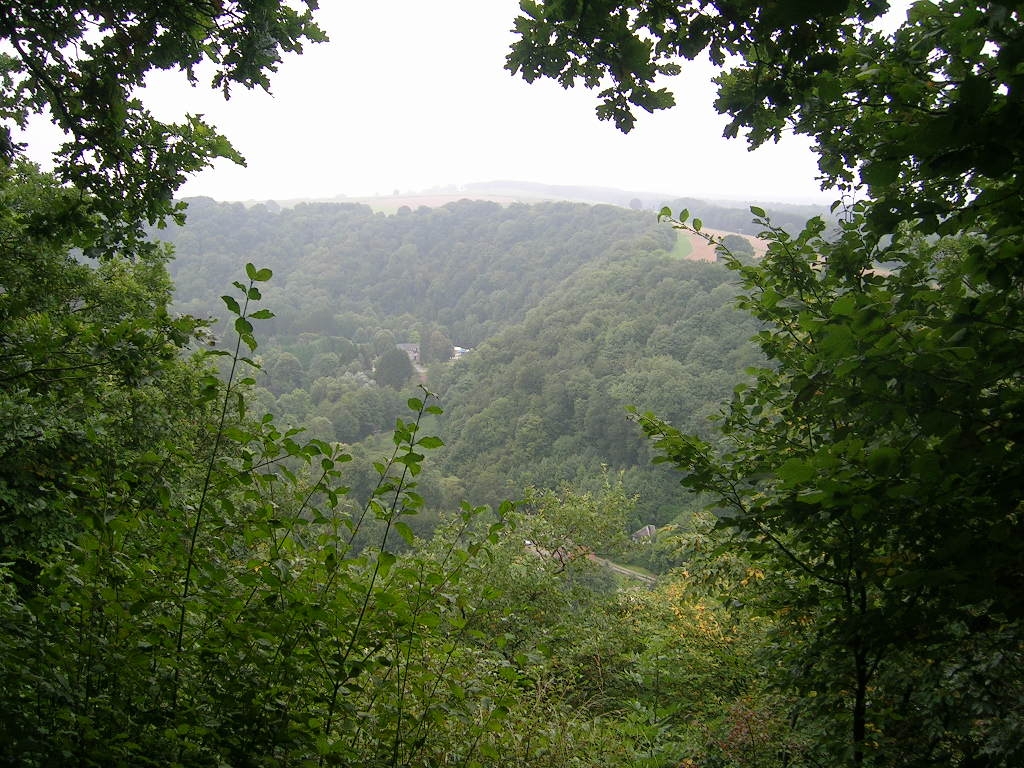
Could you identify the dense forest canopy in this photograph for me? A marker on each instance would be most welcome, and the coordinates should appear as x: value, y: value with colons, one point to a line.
x: 187, y: 578
x: 566, y: 313
x: 468, y: 267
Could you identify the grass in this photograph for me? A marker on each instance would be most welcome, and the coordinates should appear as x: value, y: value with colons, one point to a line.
x: 683, y: 246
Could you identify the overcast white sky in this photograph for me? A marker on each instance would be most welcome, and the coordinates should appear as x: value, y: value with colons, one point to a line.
x: 410, y: 95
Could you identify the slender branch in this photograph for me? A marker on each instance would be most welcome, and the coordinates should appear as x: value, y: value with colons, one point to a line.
x: 207, y: 480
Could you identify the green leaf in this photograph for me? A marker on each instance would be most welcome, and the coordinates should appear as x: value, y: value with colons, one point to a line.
x: 430, y: 620
x: 844, y: 305
x: 884, y: 460
x: 405, y: 532
x: 880, y: 173
x: 385, y: 560
x: 795, y: 471
x: 232, y: 304
x: 257, y: 275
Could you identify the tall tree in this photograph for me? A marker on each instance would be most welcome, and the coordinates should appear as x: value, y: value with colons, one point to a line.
x: 875, y: 462
x: 83, y: 347
x: 91, y: 374
x: 874, y: 466
x: 393, y: 369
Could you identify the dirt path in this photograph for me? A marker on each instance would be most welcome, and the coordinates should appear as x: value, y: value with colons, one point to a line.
x: 623, y: 571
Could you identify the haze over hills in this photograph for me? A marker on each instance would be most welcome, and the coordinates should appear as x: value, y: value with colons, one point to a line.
x: 505, y: 191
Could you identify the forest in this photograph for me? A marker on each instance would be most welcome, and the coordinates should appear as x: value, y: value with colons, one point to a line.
x: 568, y: 313
x: 318, y: 485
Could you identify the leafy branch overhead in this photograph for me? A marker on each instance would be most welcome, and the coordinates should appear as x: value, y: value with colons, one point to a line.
x: 84, y: 65
x: 926, y: 118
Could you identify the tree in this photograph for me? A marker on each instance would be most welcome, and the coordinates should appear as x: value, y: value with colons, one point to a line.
x: 92, y: 378
x: 324, y: 365
x: 284, y: 372
x: 925, y: 117
x: 83, y: 63
x: 178, y: 578
x: 631, y: 44
x: 435, y: 347
x: 738, y: 246
x: 873, y: 464
x: 179, y: 583
x: 393, y: 369
x: 383, y: 341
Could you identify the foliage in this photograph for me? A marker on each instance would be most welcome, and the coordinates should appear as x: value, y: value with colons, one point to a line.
x: 632, y: 44
x: 738, y: 247
x: 873, y: 467
x: 737, y: 219
x: 393, y: 369
x: 185, y: 581
x: 874, y: 464
x: 664, y: 675
x: 266, y: 638
x: 229, y: 616
x: 91, y: 379
x: 435, y: 347
x: 198, y: 585
x: 545, y: 401
x: 83, y: 64
x: 466, y: 269
x: 925, y: 118
x: 709, y: 628
x: 573, y: 312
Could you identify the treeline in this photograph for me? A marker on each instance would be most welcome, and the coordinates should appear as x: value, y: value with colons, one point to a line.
x: 789, y: 217
x: 716, y: 215
x: 470, y: 267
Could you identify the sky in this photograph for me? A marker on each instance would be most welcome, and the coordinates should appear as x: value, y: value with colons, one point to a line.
x: 411, y: 95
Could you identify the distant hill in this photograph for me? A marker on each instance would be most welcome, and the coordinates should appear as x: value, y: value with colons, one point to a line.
x: 470, y: 266
x: 728, y: 216
x: 527, y: 191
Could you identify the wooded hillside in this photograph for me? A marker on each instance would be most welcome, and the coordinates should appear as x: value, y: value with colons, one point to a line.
x: 571, y: 313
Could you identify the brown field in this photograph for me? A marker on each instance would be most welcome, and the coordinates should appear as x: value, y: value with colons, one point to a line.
x: 702, y: 250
